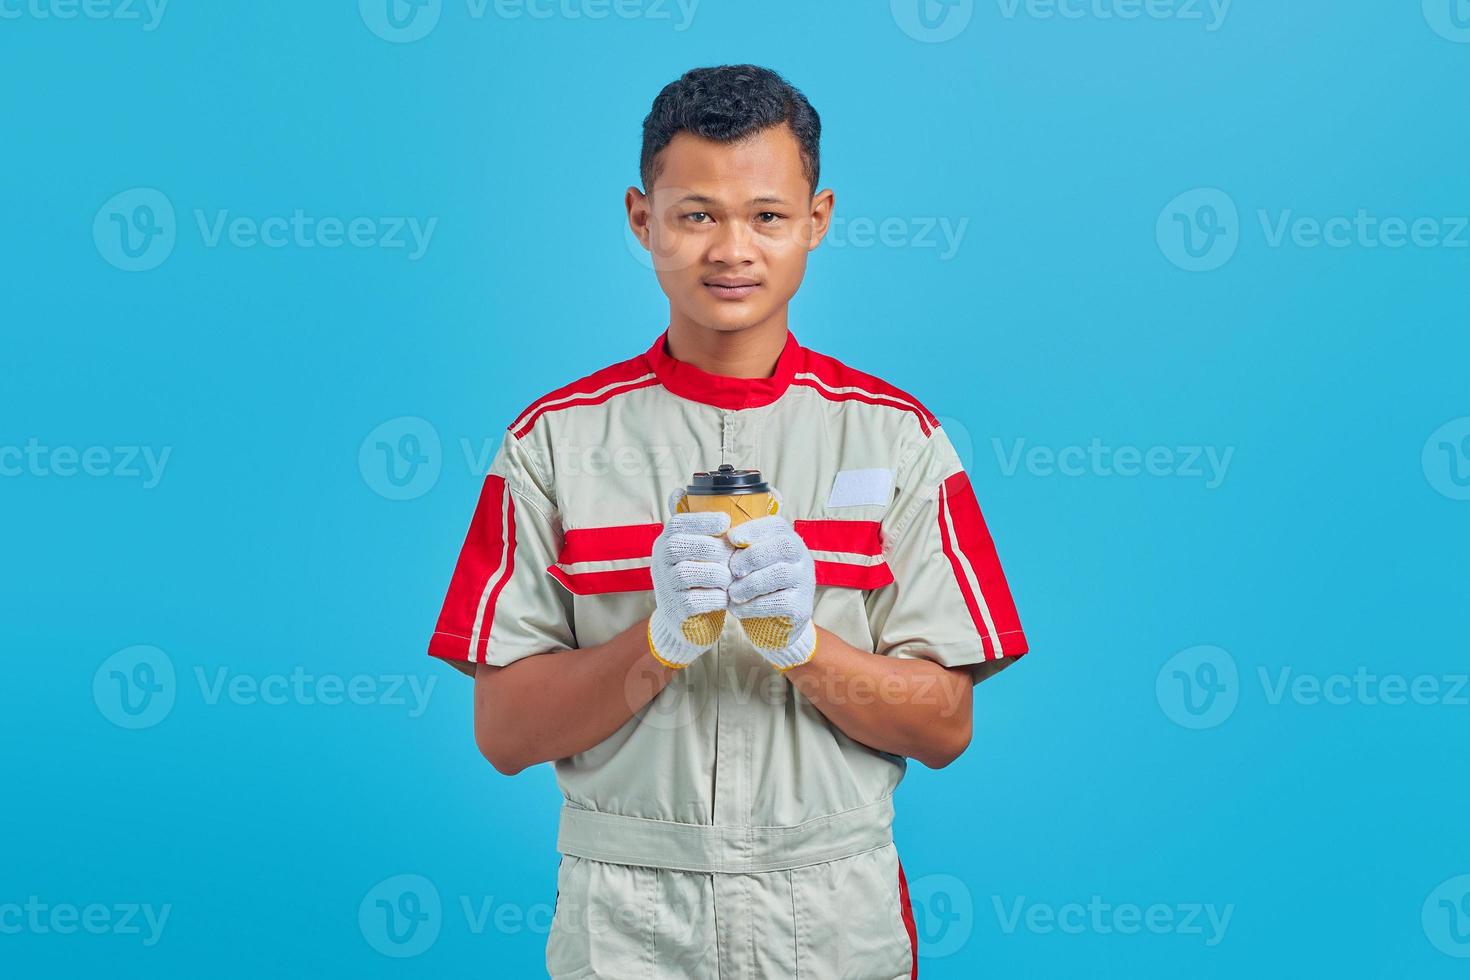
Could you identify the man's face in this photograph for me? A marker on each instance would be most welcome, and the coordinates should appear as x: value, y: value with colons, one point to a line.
x: 729, y: 226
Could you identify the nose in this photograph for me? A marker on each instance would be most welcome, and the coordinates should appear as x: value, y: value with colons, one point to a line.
x: 733, y: 244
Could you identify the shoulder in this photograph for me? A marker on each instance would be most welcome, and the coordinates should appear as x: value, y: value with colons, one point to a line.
x: 590, y: 389
x: 839, y: 382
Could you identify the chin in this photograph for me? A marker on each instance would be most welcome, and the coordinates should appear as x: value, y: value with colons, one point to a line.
x: 730, y: 317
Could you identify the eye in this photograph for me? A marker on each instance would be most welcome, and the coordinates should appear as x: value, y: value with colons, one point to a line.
x: 768, y: 217
x: 698, y: 217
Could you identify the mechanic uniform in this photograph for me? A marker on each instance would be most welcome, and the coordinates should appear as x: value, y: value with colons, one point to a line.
x: 728, y: 829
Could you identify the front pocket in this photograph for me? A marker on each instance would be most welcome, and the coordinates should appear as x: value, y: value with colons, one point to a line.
x: 602, y: 925
x: 567, y: 953
x: 850, y: 924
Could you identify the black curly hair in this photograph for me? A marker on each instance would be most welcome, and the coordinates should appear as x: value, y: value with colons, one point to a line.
x: 729, y: 103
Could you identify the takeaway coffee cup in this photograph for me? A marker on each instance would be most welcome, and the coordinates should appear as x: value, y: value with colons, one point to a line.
x: 744, y: 496
x: 740, y: 493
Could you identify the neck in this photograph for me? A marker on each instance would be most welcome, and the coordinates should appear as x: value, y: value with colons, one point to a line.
x: 750, y: 352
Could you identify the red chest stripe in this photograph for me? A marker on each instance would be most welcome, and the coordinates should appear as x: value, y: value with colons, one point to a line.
x: 596, y: 583
x: 620, y: 542
x: 852, y: 537
x: 851, y: 576
x: 608, y: 543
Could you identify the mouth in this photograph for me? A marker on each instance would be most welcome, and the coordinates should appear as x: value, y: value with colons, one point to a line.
x: 731, y: 287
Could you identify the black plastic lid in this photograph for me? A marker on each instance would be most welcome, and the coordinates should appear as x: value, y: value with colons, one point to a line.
x: 725, y: 481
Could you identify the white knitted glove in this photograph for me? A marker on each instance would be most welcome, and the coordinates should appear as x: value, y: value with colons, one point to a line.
x: 773, y: 589
x: 690, y: 574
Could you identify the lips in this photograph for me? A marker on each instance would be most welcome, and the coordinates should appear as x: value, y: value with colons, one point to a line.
x: 731, y: 287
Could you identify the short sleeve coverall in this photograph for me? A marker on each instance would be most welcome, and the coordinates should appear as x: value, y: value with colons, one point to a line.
x: 728, y: 829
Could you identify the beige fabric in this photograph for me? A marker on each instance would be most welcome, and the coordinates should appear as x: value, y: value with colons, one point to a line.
x: 728, y: 749
x: 841, y: 920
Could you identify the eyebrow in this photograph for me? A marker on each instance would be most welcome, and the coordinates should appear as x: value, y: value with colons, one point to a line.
x: 703, y: 199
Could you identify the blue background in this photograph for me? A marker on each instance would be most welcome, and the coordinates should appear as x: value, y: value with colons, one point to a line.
x: 1335, y: 540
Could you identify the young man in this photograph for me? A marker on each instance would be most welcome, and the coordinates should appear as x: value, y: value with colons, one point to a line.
x: 728, y: 805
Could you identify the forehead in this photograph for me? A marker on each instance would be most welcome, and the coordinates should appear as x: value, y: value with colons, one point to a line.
x: 766, y: 163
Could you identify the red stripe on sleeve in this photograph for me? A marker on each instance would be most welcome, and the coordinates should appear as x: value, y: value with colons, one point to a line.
x: 479, y: 558
x: 974, y: 542
x: 488, y: 622
x: 961, y: 579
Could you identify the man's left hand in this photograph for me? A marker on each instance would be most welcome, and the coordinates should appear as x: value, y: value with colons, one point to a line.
x: 772, y: 590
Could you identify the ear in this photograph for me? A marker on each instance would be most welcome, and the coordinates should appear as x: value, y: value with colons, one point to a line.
x: 822, y: 205
x: 640, y: 214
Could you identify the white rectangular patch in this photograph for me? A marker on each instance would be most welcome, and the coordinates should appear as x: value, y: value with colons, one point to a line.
x: 860, y: 488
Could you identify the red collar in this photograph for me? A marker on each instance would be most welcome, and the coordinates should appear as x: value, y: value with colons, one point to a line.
x: 688, y: 381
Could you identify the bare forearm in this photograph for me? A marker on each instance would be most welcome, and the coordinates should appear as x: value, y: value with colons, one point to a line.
x: 554, y: 705
x: 912, y: 708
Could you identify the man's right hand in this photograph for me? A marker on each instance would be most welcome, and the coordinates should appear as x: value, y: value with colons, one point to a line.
x: 691, y: 573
